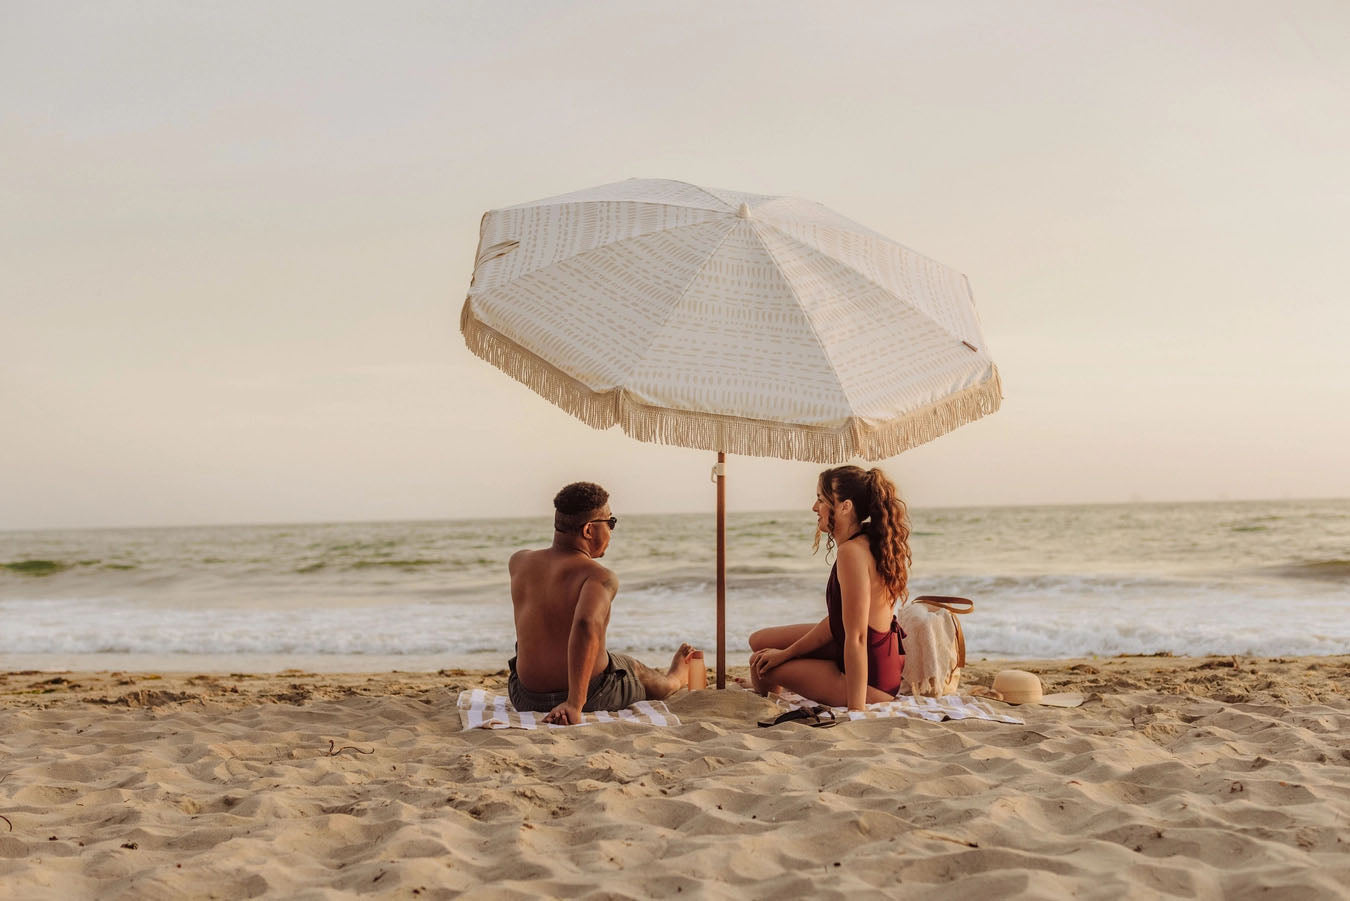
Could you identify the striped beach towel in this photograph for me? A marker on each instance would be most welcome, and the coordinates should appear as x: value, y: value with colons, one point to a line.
x: 950, y: 707
x: 481, y: 709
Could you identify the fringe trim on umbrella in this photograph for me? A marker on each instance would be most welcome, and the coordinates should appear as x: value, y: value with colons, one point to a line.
x: 734, y: 435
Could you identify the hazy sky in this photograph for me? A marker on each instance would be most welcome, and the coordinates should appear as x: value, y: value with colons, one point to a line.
x: 235, y: 238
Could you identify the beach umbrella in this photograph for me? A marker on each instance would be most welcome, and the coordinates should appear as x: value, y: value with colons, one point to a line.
x: 728, y: 322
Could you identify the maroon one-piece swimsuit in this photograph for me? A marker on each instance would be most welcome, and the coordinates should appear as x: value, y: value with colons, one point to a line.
x: 885, y: 654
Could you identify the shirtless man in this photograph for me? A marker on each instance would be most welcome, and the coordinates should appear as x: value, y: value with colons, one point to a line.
x: 562, y: 598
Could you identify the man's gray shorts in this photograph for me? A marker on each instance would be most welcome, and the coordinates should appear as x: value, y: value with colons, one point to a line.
x: 613, y: 689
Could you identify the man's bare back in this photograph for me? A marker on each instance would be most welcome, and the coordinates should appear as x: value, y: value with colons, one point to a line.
x: 562, y: 597
x: 547, y: 587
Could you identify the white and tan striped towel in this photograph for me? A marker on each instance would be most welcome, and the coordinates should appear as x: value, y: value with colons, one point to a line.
x: 950, y: 707
x: 481, y: 709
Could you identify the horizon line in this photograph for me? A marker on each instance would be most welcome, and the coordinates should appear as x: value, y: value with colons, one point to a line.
x: 709, y: 512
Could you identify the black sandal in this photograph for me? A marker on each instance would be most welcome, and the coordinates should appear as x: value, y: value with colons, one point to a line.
x: 815, y: 717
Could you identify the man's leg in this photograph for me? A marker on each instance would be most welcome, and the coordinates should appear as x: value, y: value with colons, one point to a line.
x: 661, y: 685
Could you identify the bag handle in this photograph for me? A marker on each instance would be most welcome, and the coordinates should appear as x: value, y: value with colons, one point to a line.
x: 950, y: 604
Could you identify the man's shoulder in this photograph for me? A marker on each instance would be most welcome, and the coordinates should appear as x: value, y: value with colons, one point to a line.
x: 586, y: 567
x: 606, y: 577
x: 524, y: 556
x: 598, y: 572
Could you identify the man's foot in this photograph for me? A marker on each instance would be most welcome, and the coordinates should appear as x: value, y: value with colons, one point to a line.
x: 678, y: 674
x: 659, y: 685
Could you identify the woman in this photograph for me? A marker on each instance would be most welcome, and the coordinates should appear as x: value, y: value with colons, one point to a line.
x: 853, y: 656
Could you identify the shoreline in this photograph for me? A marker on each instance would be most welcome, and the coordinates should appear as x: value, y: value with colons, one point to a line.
x: 1184, y: 777
x: 1223, y: 677
x: 481, y: 663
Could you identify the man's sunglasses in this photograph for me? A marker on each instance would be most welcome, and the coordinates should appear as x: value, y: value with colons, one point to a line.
x: 612, y: 521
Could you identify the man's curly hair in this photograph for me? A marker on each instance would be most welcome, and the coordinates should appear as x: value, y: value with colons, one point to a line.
x: 577, y: 504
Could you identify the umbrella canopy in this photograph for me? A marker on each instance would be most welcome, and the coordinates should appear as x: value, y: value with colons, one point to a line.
x: 731, y: 322
x: 713, y: 319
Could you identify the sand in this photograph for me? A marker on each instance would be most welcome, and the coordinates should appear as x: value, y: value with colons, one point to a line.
x: 1184, y: 777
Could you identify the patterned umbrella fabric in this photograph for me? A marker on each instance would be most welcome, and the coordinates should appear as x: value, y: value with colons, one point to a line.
x: 714, y: 319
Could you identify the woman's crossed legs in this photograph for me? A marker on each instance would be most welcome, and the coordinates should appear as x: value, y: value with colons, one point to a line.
x: 814, y: 675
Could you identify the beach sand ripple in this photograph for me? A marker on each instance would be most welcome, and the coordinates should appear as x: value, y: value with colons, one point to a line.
x: 1180, y: 777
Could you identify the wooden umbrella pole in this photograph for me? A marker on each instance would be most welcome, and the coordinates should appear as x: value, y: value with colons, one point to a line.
x: 721, y: 570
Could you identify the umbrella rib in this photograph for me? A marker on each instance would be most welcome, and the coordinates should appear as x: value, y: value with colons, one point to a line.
x: 670, y: 313
x: 724, y: 205
x: 824, y: 351
x: 729, y: 206
x: 558, y: 203
x: 608, y: 244
x: 871, y: 281
x: 841, y: 221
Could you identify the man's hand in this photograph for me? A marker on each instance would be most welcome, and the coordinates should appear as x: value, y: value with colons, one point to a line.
x: 565, y: 714
x: 763, y: 661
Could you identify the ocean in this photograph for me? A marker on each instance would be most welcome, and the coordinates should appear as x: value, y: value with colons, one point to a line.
x: 1254, y: 578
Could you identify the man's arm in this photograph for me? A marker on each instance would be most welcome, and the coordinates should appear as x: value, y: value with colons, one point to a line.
x: 589, y: 621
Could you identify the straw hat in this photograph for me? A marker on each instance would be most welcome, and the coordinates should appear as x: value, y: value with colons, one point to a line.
x: 1015, y: 686
x: 1018, y: 686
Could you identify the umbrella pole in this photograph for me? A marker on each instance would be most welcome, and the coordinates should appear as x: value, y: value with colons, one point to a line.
x: 721, y: 569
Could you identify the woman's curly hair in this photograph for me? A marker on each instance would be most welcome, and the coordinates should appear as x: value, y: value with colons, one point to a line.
x: 883, y: 516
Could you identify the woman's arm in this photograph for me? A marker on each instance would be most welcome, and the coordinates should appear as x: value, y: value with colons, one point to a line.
x: 765, y: 659
x: 855, y: 588
x: 819, y: 634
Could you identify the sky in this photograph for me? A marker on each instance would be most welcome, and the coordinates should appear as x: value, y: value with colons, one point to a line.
x: 235, y: 239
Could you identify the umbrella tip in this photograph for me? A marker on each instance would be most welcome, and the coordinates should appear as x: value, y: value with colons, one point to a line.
x: 744, y: 211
